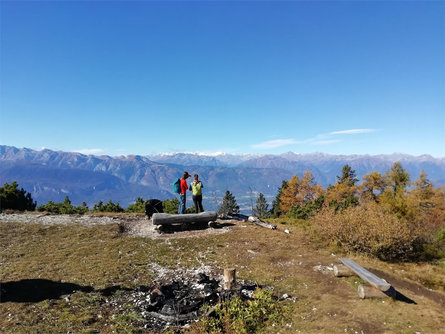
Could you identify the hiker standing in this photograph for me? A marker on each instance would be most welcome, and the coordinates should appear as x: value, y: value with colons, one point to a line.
x: 196, y: 186
x: 182, y: 194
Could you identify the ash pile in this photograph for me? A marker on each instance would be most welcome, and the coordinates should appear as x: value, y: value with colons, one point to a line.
x: 181, y: 301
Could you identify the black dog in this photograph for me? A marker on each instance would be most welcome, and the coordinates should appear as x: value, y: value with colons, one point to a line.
x: 153, y: 206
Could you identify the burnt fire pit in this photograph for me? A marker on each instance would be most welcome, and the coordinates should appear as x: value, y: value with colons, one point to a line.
x: 180, y: 302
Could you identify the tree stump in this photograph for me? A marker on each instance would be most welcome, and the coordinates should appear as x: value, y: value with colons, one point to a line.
x: 368, y: 291
x: 229, y: 278
x: 340, y: 270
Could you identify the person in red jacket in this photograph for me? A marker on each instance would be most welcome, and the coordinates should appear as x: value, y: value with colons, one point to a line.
x: 182, y: 195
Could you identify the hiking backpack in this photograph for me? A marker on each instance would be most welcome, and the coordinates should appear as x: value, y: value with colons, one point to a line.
x: 196, y: 186
x: 177, y: 186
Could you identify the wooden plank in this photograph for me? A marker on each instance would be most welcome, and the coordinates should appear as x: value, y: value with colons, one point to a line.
x: 366, y: 275
x: 168, y: 219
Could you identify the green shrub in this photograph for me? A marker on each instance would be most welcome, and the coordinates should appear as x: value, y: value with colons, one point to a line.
x: 171, y: 205
x: 64, y: 207
x: 435, y: 249
x: 137, y: 207
x: 109, y: 207
x: 240, y: 316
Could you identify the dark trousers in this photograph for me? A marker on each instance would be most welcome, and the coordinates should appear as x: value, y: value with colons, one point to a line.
x: 197, y: 200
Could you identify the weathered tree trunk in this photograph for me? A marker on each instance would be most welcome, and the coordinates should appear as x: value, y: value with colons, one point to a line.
x: 229, y: 278
x: 368, y: 291
x: 169, y: 219
x: 259, y: 222
x: 340, y: 270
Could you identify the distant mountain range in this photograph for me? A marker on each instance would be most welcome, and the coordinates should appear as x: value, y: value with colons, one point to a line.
x: 52, y: 175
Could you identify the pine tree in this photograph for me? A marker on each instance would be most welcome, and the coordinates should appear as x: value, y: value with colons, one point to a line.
x: 275, y: 211
x: 260, y: 209
x: 229, y: 205
x: 343, y: 193
x: 348, y: 176
x: 13, y: 198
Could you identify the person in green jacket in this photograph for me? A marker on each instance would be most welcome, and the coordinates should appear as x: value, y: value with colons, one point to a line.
x: 196, y: 186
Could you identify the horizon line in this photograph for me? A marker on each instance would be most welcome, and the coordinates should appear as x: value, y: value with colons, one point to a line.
x: 213, y: 154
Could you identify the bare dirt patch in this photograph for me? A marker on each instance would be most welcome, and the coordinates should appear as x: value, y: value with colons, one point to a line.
x: 133, y: 225
x: 413, y: 288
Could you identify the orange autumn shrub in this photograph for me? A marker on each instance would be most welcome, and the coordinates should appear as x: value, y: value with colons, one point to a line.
x: 370, y: 229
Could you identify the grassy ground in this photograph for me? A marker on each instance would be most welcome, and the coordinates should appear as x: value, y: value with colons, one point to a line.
x: 104, y: 263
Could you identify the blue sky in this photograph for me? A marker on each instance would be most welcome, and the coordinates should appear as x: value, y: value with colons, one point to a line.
x: 140, y: 77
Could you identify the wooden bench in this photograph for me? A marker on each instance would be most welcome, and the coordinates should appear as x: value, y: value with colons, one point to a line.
x: 379, y: 287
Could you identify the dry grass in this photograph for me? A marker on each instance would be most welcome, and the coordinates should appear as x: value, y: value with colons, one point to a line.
x: 102, y: 256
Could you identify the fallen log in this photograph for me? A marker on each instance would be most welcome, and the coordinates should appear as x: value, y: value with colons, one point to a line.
x: 255, y: 220
x: 170, y: 219
x: 262, y: 223
x: 239, y: 216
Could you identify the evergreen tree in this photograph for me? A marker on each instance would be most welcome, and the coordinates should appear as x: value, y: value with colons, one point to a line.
x: 260, y: 209
x: 13, y: 198
x: 343, y: 193
x: 275, y: 211
x: 229, y: 205
x: 348, y: 176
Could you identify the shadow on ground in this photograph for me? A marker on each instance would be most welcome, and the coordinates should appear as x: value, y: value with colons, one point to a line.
x: 37, y: 290
x: 402, y: 298
x: 169, y: 229
x: 413, y: 288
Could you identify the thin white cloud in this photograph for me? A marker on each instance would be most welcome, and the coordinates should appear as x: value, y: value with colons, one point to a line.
x: 89, y: 150
x: 352, y: 131
x: 274, y: 143
x: 319, y: 139
x: 325, y: 142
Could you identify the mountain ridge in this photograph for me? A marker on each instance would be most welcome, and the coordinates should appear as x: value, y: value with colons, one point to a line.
x: 52, y: 175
